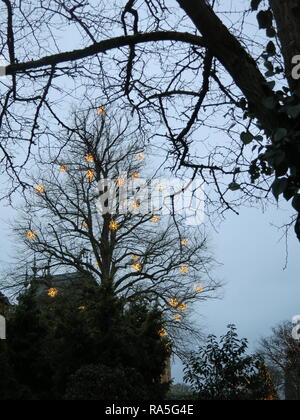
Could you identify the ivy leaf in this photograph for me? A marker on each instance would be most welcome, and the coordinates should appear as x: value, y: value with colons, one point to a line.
x: 255, y: 4
x: 294, y: 111
x: 271, y: 33
x: 265, y: 19
x: 279, y: 186
x: 234, y: 186
x: 280, y: 134
x: 296, y: 202
x: 246, y: 137
x: 269, y: 103
x: 271, y: 49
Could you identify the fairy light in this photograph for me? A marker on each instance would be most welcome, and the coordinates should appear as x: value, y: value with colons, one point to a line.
x: 120, y: 182
x: 52, y: 292
x: 135, y: 175
x: 40, y: 189
x: 199, y: 288
x: 160, y: 187
x: 173, y: 302
x: 113, y: 225
x: 184, y: 269
x: 85, y: 224
x: 137, y: 266
x: 140, y: 156
x: 101, y: 110
x: 30, y: 235
x: 63, y: 169
x: 177, y: 317
x: 184, y: 242
x: 89, y: 158
x: 82, y: 308
x: 162, y: 333
x: 90, y: 175
x: 136, y: 205
x: 155, y: 219
x: 183, y: 307
x: 134, y: 257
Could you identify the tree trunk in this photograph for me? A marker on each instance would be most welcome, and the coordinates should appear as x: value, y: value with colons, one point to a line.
x: 287, y: 17
x: 233, y: 56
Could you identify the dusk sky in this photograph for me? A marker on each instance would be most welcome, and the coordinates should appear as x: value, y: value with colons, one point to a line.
x: 261, y: 284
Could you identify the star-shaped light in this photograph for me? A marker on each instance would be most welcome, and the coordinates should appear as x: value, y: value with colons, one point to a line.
x: 113, y: 225
x: 40, y: 189
x: 183, y: 307
x: 173, y: 302
x: 198, y: 288
x: 184, y: 242
x: 155, y: 219
x: 101, y: 110
x: 134, y: 257
x: 184, y: 269
x: 90, y: 175
x: 137, y: 266
x: 52, y: 292
x: 140, y: 156
x: 89, y: 158
x: 160, y: 187
x: 162, y: 333
x: 120, y: 182
x: 135, y: 205
x: 85, y: 224
x: 30, y: 235
x: 63, y: 169
x: 135, y: 175
x: 177, y: 317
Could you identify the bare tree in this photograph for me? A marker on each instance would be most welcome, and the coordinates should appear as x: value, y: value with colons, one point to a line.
x: 182, y: 67
x: 68, y: 222
x: 282, y: 353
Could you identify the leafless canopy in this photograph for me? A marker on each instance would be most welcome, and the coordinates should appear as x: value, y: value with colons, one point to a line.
x: 145, y: 56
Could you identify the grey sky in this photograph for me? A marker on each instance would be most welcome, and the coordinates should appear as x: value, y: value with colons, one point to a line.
x: 258, y: 293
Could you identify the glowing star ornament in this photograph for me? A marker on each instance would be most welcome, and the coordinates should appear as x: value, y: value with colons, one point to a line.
x: 114, y: 226
x: 84, y: 224
x: 173, y: 302
x: 40, y: 189
x: 89, y: 158
x: 177, y: 317
x: 30, y: 235
x: 183, y: 307
x: 184, y: 242
x: 155, y: 219
x: 184, y: 269
x: 120, y: 182
x: 52, y: 292
x: 198, y: 288
x: 162, y: 333
x: 137, y: 266
x: 140, y: 156
x: 136, y: 175
x: 63, y: 169
x: 101, y: 111
x: 135, y: 205
x: 90, y: 175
